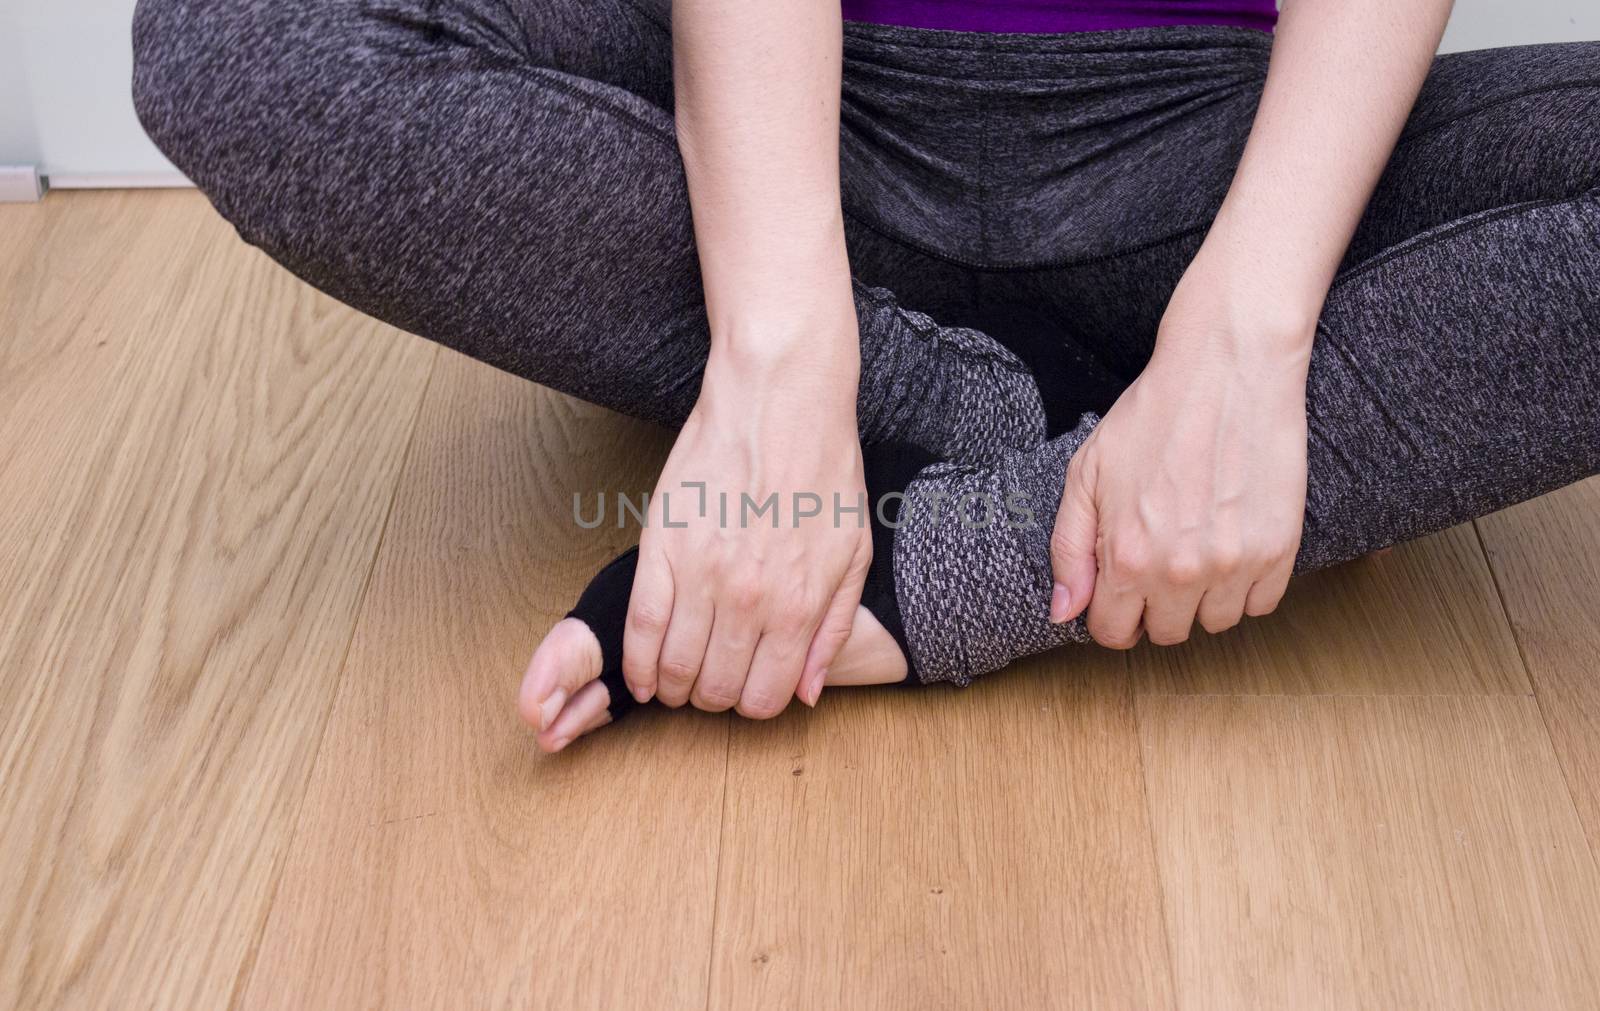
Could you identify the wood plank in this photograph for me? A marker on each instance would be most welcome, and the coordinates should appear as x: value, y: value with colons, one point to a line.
x: 1385, y: 852
x: 198, y: 455
x: 441, y: 860
x: 929, y: 849
x: 1546, y: 555
x: 22, y: 227
x: 1424, y: 619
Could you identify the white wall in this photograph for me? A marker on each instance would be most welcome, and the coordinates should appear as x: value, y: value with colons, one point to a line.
x: 65, y: 64
x: 64, y: 100
x: 1484, y: 24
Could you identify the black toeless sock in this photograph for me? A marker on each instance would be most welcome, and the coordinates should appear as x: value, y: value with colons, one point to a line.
x: 889, y: 469
x: 604, y: 608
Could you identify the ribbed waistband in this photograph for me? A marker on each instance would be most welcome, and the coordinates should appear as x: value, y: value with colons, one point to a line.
x: 1108, y: 60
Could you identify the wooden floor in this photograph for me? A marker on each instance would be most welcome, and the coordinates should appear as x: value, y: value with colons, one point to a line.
x: 269, y: 572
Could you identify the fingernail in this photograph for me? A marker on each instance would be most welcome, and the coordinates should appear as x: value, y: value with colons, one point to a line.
x: 1060, y: 603
x: 551, y: 708
x: 560, y: 742
x: 814, y: 690
x: 641, y: 695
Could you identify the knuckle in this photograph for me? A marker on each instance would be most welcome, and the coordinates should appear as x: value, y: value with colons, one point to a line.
x: 678, y: 672
x: 1215, y: 624
x: 1227, y: 556
x: 745, y: 594
x: 792, y: 612
x: 1260, y: 557
x: 791, y: 622
x: 761, y: 704
x: 715, y: 698
x: 1130, y: 560
x: 648, y: 616
x: 1261, y: 608
x: 1060, y: 542
x: 1114, y: 638
x: 1185, y: 568
x: 636, y: 671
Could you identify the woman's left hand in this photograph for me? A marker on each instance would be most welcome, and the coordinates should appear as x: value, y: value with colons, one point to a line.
x: 1187, y: 501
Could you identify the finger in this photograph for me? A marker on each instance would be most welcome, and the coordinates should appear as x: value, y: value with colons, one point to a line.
x: 1115, y: 615
x: 586, y: 711
x: 1169, y: 616
x: 1267, y: 591
x: 727, y: 662
x: 774, y: 672
x: 649, y: 615
x: 834, y: 630
x: 683, y: 651
x: 567, y: 659
x: 1072, y: 542
x: 1222, y: 607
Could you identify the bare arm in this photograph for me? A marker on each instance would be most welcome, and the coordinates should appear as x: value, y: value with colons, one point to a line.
x: 730, y: 612
x: 1343, y: 77
x: 1207, y: 522
x: 758, y: 125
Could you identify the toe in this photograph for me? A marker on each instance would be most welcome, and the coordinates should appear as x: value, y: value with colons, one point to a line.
x: 585, y: 711
x: 566, y: 661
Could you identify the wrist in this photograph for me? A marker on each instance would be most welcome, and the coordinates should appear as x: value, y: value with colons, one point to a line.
x: 1265, y: 290
x: 1223, y: 312
x: 796, y: 367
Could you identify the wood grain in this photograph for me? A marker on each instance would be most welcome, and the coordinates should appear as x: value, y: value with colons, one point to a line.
x: 266, y: 590
x: 441, y: 860
x: 1546, y: 556
x: 198, y: 455
x: 23, y: 236
x: 1424, y: 619
x: 943, y: 849
x: 1384, y: 852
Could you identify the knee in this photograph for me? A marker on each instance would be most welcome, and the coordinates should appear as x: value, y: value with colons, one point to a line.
x: 175, y: 51
x: 191, y: 62
x: 210, y: 78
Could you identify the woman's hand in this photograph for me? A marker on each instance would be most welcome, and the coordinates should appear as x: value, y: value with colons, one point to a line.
x: 749, y: 573
x: 738, y: 611
x: 1187, y: 500
x: 1190, y: 494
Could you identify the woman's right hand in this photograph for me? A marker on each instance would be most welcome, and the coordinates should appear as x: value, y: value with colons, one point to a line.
x: 740, y: 614
x: 741, y: 601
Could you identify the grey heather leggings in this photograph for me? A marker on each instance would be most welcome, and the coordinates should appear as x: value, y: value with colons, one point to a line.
x: 501, y: 176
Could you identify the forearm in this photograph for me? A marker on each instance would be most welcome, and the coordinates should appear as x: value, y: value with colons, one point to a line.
x: 758, y: 125
x: 1342, y: 80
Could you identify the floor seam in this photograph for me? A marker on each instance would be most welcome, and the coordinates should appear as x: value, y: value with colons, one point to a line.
x: 1150, y: 835
x: 722, y: 839
x: 1538, y: 701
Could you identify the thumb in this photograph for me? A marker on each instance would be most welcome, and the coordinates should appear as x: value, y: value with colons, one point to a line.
x: 833, y: 632
x: 1072, y: 556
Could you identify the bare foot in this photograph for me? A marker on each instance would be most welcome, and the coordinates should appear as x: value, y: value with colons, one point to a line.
x: 562, y: 699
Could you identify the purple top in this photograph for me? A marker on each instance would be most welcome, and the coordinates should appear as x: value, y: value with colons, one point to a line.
x: 1048, y: 16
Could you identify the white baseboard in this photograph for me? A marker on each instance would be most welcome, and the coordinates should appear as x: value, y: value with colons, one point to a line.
x: 116, y: 180
x: 20, y: 184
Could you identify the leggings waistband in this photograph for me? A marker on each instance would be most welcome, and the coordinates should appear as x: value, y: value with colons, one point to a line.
x: 1054, y: 57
